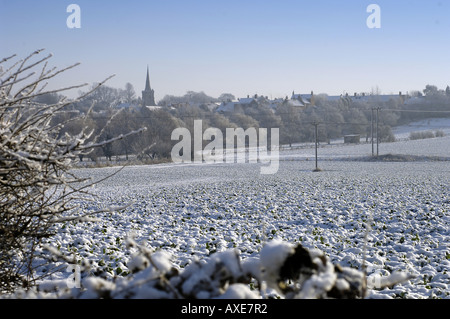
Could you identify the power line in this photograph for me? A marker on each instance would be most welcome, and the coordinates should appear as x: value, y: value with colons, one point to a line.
x: 424, y: 125
x: 417, y: 111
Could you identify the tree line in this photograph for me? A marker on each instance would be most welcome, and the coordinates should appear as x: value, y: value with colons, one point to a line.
x: 338, y: 117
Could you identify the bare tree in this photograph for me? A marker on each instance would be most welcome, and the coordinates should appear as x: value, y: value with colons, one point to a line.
x: 38, y: 189
x: 129, y: 93
x: 226, y: 97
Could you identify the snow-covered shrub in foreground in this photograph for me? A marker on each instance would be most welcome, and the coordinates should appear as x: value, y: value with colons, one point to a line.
x: 292, y: 271
x: 37, y: 187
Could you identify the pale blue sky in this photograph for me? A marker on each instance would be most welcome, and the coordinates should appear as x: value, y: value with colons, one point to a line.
x: 239, y: 47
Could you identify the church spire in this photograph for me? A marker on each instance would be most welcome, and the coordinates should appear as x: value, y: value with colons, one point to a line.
x: 148, y: 95
x: 147, y: 82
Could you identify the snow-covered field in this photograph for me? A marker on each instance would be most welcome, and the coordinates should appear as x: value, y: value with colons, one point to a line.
x: 432, y: 125
x: 194, y: 210
x: 433, y: 148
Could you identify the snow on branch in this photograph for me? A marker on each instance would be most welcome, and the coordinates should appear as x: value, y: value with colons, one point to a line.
x: 119, y: 137
x: 37, y: 185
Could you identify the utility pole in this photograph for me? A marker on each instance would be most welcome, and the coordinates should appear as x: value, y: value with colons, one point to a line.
x: 317, y: 169
x: 371, y: 132
x: 378, y: 142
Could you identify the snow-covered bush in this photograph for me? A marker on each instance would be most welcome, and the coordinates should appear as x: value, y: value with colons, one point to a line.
x: 286, y: 270
x: 37, y: 187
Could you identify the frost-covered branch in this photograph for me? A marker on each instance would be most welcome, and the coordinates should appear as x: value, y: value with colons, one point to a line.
x: 38, y: 189
x: 121, y: 136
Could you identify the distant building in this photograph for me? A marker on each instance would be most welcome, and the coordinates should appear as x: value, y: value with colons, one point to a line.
x: 237, y: 106
x: 415, y: 100
x: 294, y: 102
x: 304, y: 99
x: 248, y: 102
x: 129, y: 106
x: 378, y: 98
x: 148, y: 95
x: 352, y: 139
x: 229, y: 107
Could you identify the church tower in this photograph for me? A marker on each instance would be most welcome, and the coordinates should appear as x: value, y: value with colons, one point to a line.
x: 148, y: 95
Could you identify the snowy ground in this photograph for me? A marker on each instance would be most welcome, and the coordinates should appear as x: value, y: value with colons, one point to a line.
x: 433, y: 149
x: 195, y: 210
x: 432, y: 125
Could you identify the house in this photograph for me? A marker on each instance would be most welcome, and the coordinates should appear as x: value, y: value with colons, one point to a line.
x: 248, y: 102
x: 126, y: 105
x: 130, y: 107
x: 415, y: 100
x: 379, y: 98
x: 305, y: 99
x: 237, y: 106
x: 274, y: 104
x: 210, y: 106
x: 228, y: 107
x: 293, y: 103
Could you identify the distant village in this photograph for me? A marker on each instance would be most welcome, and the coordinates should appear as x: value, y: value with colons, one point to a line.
x: 300, y: 101
x: 338, y: 117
